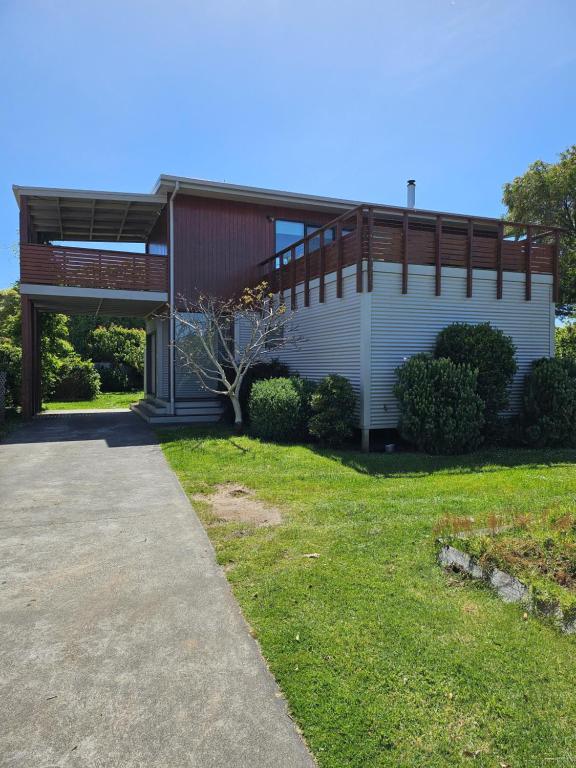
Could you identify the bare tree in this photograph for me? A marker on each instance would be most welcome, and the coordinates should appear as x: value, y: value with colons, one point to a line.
x: 206, y: 342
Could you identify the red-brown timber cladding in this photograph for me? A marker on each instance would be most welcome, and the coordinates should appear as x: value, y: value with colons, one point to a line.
x: 220, y: 243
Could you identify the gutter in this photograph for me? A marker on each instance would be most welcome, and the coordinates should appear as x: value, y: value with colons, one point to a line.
x: 172, y: 326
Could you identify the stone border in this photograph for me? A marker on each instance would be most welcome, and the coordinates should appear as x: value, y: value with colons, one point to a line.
x: 507, y: 587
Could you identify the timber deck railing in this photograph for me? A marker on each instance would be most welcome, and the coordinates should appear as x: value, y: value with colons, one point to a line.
x: 366, y: 234
x: 92, y: 268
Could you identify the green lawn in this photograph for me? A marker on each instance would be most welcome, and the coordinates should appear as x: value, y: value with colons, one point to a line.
x: 104, y: 400
x: 385, y: 659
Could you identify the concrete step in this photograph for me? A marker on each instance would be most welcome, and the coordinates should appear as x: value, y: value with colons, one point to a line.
x: 199, y: 416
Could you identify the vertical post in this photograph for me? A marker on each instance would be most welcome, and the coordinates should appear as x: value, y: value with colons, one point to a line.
x: 321, y: 286
x: 37, y: 377
x: 359, y: 254
x: 281, y: 276
x: 438, y: 255
x: 340, y: 246
x: 370, y: 251
x: 28, y: 383
x: 405, y: 253
x: 528, y: 263
x: 469, y: 262
x: 271, y: 281
x: 293, y: 277
x: 307, y: 272
x: 499, y: 249
x: 556, y: 268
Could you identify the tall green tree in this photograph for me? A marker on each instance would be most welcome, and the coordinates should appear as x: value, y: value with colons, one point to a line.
x: 55, y: 345
x: 546, y: 194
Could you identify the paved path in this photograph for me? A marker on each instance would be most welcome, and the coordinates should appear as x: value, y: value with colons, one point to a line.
x: 120, y: 642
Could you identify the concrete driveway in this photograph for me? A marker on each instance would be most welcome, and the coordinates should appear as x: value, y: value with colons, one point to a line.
x: 120, y: 642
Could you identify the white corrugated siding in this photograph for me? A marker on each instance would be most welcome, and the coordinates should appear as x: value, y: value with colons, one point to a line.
x: 403, y: 325
x: 331, y: 332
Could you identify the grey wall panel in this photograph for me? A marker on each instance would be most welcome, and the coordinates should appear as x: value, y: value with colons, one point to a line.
x: 331, y: 332
x: 403, y: 325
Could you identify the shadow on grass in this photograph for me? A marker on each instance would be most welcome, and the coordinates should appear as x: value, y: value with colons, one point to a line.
x: 408, y: 464
x: 401, y: 464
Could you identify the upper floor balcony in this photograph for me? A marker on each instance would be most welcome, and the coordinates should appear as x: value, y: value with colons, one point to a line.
x: 78, y: 277
x: 368, y: 234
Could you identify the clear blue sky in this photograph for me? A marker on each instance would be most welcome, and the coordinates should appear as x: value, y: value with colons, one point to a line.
x: 338, y: 98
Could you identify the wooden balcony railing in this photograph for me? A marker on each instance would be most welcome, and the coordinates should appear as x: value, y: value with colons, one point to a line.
x: 367, y: 234
x: 92, y: 268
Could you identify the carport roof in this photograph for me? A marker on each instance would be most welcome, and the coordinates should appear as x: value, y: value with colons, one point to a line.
x: 89, y: 215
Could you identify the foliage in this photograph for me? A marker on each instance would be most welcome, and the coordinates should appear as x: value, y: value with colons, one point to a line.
x: 306, y: 389
x: 384, y: 661
x: 77, y: 380
x: 546, y: 194
x: 55, y: 349
x: 266, y: 369
x: 549, y: 403
x: 333, y: 405
x: 487, y: 350
x: 81, y: 326
x: 206, y: 345
x: 276, y: 409
x: 566, y: 341
x: 10, y: 314
x: 55, y: 346
x: 440, y: 409
x: 123, y: 348
x: 11, y: 363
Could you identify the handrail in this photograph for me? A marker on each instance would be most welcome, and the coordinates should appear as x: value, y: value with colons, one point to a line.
x: 312, y: 235
x: 87, y: 249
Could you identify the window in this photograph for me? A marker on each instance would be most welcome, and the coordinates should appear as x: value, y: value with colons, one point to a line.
x: 289, y: 232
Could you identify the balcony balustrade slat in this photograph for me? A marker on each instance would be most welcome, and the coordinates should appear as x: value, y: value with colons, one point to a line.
x: 93, y: 268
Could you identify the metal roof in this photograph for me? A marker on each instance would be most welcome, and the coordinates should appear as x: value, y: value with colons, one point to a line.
x: 89, y: 215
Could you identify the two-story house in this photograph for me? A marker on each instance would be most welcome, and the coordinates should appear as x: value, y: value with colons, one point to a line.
x: 370, y: 284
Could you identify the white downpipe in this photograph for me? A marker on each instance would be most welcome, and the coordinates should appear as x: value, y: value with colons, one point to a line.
x: 172, y: 326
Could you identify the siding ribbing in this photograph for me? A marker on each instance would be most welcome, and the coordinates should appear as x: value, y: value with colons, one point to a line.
x: 331, y: 332
x: 403, y: 325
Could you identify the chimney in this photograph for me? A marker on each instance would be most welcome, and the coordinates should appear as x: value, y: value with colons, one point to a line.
x: 411, y: 193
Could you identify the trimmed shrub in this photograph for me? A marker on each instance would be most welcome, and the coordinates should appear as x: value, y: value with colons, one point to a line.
x: 333, y: 406
x: 275, y: 410
x: 487, y: 350
x: 273, y: 369
x: 566, y: 342
x: 306, y: 389
x: 78, y: 380
x: 549, y: 403
x: 11, y: 362
x: 440, y: 409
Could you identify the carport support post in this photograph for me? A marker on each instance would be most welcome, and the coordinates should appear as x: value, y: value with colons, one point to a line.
x: 29, y: 366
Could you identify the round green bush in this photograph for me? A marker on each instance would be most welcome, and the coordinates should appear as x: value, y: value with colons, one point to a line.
x: 440, y: 409
x: 549, y: 403
x: 272, y: 369
x: 487, y: 350
x: 11, y: 363
x: 333, y: 407
x: 77, y: 380
x: 275, y: 409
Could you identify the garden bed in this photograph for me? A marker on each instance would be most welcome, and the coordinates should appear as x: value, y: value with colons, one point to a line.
x: 530, y: 559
